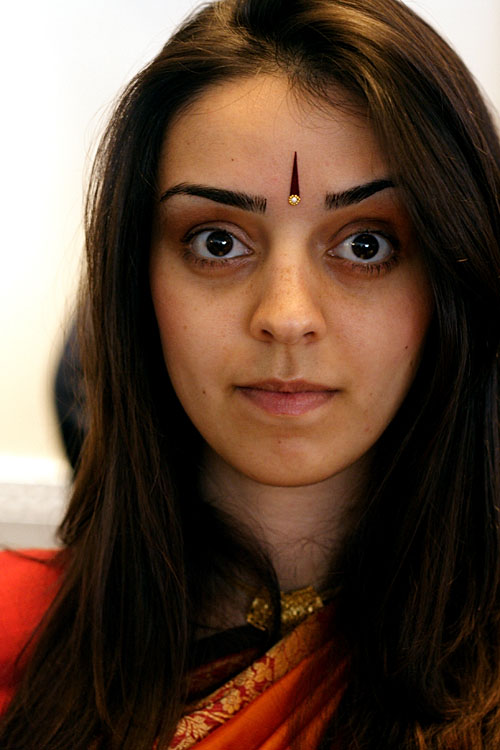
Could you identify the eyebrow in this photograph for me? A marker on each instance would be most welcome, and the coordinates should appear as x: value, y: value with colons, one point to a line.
x: 356, y: 194
x: 255, y: 203
x: 258, y: 203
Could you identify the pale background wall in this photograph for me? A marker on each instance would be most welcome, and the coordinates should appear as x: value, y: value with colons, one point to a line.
x: 62, y: 64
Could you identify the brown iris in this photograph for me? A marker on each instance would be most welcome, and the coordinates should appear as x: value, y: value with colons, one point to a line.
x: 219, y: 243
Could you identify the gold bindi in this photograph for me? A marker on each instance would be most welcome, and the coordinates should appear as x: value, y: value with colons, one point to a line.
x: 294, y: 197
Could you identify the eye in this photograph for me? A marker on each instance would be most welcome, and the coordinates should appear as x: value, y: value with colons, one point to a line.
x: 366, y: 248
x: 216, y: 243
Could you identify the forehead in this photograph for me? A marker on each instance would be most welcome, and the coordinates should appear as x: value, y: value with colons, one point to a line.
x: 246, y: 131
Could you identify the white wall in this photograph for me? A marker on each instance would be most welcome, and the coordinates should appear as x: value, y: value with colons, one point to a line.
x: 472, y: 27
x: 62, y: 64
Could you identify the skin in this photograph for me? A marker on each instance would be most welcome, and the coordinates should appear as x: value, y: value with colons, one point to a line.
x: 290, y: 302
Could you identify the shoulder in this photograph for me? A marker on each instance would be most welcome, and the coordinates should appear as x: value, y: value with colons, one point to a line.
x: 29, y: 580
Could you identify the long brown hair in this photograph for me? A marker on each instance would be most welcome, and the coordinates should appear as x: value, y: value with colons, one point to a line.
x: 420, y: 607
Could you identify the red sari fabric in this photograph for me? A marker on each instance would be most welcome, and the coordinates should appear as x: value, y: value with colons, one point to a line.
x: 285, y: 692
x: 27, y: 587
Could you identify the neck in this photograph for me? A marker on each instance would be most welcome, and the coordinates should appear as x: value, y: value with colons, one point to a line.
x: 300, y: 528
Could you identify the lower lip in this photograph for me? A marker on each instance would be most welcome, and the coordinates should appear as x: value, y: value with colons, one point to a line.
x: 288, y: 404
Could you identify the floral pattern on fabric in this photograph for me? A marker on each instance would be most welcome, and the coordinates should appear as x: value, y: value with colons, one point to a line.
x: 205, y: 678
x: 213, y: 711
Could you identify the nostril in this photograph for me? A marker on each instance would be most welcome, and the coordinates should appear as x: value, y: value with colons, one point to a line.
x: 267, y: 334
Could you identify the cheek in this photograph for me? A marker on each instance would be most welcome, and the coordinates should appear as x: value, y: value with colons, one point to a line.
x: 176, y: 332
x: 194, y: 338
x: 408, y: 320
x: 390, y: 345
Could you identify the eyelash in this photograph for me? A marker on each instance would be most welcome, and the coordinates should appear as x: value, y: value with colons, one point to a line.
x: 363, y: 268
x: 208, y: 263
x: 371, y: 268
x: 379, y: 268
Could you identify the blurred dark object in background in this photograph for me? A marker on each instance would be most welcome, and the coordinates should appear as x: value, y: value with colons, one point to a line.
x: 69, y: 398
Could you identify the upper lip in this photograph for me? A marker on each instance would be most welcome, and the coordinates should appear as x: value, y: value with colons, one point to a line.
x: 287, y: 386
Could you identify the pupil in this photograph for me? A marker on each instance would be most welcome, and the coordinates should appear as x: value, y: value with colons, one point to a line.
x: 365, y: 246
x: 219, y: 243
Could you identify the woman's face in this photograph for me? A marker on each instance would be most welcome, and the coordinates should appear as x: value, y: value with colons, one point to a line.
x: 291, y: 333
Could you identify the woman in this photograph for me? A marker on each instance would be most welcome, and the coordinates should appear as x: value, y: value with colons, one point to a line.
x: 291, y: 319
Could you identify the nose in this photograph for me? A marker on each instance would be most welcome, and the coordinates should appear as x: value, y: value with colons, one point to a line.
x: 288, y: 305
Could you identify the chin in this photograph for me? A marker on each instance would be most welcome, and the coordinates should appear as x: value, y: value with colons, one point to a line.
x: 286, y: 475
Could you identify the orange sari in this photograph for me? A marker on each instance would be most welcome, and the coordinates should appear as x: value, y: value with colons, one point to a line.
x: 284, y: 692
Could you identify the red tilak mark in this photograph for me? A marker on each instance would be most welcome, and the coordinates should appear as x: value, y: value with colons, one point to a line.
x: 294, y: 196
x: 294, y: 185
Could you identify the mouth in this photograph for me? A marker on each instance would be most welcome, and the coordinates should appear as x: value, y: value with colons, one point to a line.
x: 287, y: 397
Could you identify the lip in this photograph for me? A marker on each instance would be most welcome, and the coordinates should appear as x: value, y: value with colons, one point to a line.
x: 287, y: 397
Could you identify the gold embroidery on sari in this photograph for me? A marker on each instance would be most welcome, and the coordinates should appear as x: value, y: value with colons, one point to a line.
x: 213, y: 711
